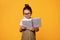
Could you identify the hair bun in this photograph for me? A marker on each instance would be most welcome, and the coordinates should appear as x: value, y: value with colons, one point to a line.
x: 26, y: 5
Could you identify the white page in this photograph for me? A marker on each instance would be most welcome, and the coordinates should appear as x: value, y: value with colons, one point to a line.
x: 36, y: 22
x: 28, y: 24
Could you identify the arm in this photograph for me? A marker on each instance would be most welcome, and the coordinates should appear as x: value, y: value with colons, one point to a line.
x: 22, y: 28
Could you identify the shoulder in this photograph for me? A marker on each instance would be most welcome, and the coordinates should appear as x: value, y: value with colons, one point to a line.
x: 22, y: 19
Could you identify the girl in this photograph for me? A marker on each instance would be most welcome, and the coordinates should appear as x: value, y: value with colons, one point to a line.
x: 27, y: 34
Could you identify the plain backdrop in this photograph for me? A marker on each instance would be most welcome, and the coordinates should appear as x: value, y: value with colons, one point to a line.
x: 11, y: 13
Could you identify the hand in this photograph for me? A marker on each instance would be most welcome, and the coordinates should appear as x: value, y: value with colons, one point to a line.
x: 32, y: 28
x: 23, y: 27
x: 36, y: 29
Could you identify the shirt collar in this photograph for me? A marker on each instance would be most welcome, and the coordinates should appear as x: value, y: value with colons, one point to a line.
x: 26, y: 18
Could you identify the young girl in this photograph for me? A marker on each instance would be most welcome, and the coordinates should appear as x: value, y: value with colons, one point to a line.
x: 27, y: 34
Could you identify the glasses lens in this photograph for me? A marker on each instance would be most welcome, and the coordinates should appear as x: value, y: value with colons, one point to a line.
x: 26, y: 13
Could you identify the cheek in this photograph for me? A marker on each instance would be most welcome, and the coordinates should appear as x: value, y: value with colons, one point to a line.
x: 29, y: 15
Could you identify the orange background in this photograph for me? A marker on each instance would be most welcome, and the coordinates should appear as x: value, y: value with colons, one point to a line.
x: 11, y: 14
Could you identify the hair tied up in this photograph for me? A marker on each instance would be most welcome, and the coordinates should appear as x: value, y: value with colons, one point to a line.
x: 26, y: 5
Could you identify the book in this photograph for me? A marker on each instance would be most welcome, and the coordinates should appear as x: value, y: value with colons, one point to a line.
x: 27, y: 24
x: 35, y: 22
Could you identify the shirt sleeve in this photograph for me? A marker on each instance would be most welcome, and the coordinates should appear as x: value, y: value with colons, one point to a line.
x: 20, y: 23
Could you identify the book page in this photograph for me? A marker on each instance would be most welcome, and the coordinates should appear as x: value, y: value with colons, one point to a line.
x: 28, y: 24
x: 36, y: 22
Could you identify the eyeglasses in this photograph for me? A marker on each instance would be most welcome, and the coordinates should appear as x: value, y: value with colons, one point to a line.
x: 26, y: 13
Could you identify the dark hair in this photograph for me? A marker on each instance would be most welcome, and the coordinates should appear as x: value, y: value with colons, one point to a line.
x: 27, y: 7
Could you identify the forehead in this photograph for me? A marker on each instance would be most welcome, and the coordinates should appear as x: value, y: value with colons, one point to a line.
x: 26, y: 11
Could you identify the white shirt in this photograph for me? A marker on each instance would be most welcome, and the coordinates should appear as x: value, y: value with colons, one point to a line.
x: 24, y: 19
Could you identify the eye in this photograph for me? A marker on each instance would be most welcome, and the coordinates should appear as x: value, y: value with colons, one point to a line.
x: 26, y: 13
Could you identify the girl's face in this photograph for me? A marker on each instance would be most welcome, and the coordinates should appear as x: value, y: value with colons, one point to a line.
x: 27, y: 13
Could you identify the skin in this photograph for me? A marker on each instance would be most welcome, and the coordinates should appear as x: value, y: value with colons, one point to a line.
x: 27, y: 14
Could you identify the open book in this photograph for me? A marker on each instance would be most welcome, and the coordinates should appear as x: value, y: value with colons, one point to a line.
x: 35, y: 22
